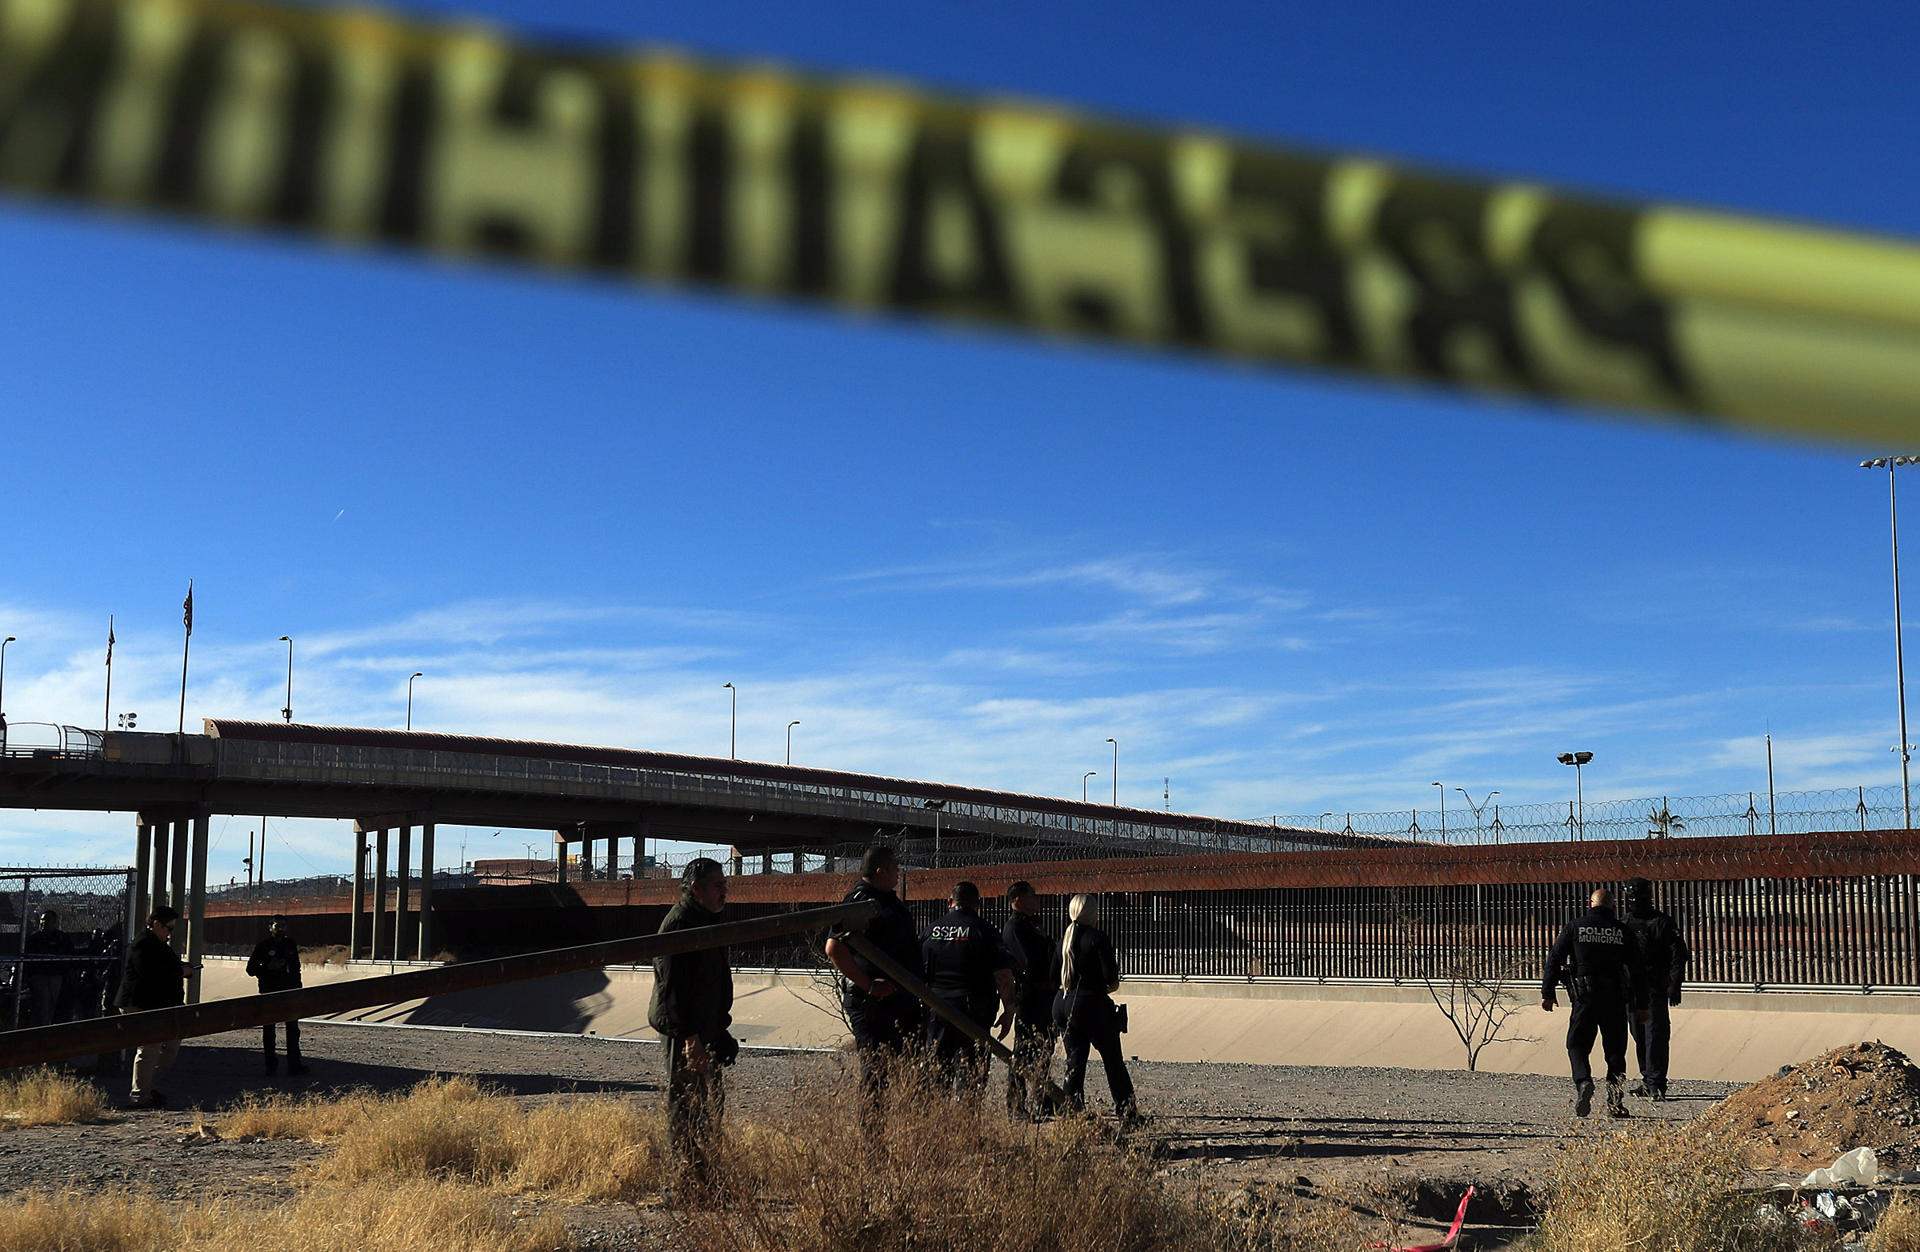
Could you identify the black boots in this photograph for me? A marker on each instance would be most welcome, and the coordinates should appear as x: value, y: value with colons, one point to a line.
x: 1583, y: 1098
x: 1616, y: 1099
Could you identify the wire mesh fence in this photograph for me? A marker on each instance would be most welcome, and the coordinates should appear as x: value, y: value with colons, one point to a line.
x: 62, y: 937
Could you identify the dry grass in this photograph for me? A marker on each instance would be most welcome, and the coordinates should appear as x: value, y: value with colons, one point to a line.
x: 1899, y: 1227
x: 939, y: 1175
x: 332, y: 954
x: 1669, y: 1191
x: 437, y: 1215
x: 48, y: 1097
x: 582, y: 1150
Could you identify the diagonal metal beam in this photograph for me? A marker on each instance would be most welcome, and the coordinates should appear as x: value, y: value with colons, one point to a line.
x: 66, y: 1040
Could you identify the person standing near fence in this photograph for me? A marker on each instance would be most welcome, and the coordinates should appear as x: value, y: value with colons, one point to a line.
x: 692, y: 1008
x: 1664, y: 950
x: 967, y: 970
x: 155, y: 978
x: 884, y: 1018
x: 47, y: 973
x: 275, y: 966
x: 1036, y: 970
x: 1599, y: 960
x: 1085, y: 1011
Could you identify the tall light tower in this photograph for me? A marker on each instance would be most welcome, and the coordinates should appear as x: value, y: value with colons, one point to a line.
x: 790, y: 726
x: 416, y: 674
x: 287, y: 712
x: 1578, y: 759
x: 1116, y: 773
x: 1890, y: 464
x: 733, y: 721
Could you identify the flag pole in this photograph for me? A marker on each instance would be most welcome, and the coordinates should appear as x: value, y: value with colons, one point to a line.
x: 106, y: 722
x: 187, y: 620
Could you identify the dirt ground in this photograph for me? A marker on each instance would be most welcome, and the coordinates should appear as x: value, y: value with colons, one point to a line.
x: 1220, y: 1128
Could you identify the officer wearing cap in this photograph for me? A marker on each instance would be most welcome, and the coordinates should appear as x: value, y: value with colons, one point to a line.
x: 884, y: 1018
x: 968, y: 970
x: 1599, y: 960
x: 275, y: 966
x: 1665, y: 951
x: 1036, y: 972
x: 692, y: 1008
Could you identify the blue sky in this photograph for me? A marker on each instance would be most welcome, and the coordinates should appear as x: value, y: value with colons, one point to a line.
x: 960, y: 555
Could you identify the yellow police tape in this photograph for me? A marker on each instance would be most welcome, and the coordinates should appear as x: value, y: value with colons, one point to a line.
x: 876, y: 196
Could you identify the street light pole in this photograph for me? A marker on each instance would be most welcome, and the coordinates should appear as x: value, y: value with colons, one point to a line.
x: 1479, y: 834
x: 1092, y: 773
x: 1443, y: 811
x: 1116, y: 773
x: 287, y: 712
x: 3, y: 696
x: 1578, y: 759
x: 416, y: 674
x: 733, y: 722
x: 1892, y: 463
x: 790, y: 726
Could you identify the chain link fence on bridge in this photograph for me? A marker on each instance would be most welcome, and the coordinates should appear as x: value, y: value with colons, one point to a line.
x: 1735, y: 813
x: 63, y: 934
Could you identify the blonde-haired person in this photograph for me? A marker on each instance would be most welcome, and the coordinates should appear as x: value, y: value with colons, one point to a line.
x: 1084, y: 1010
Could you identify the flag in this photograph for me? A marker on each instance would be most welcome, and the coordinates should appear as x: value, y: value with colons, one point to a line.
x: 109, y: 639
x: 187, y: 606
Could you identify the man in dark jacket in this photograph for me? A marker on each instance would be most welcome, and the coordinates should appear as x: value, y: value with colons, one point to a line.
x: 1599, y: 960
x: 275, y: 966
x: 884, y: 1018
x: 968, y: 970
x: 155, y: 978
x: 1664, y: 950
x: 1036, y: 972
x: 692, y: 1007
x: 48, y: 976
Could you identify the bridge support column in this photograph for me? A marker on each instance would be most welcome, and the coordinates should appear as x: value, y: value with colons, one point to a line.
x: 799, y: 862
x: 766, y: 862
x: 157, y: 866
x: 356, y: 911
x: 560, y: 841
x: 177, y: 891
x: 137, y: 905
x: 640, y: 848
x: 197, y: 901
x: 379, y: 934
x: 401, y: 863
x: 586, y: 853
x: 425, y: 946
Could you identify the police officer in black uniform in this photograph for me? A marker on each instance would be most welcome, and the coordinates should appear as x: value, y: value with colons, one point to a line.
x: 1599, y: 960
x: 1665, y: 951
x: 275, y: 966
x: 1036, y: 973
x: 967, y: 970
x: 884, y: 1018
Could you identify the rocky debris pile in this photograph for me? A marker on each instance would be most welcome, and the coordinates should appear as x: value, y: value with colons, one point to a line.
x: 1864, y: 1095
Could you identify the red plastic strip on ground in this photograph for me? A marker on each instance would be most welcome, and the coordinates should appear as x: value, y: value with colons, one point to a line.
x: 1459, y: 1219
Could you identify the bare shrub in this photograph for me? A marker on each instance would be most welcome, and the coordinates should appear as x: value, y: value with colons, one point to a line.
x: 332, y: 954
x: 48, y: 1097
x: 1898, y: 1229
x: 1470, y: 984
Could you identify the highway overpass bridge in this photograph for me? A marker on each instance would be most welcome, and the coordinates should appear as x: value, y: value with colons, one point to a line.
x: 390, y: 783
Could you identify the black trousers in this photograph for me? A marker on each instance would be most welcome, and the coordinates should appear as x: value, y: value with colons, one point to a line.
x: 883, y: 1031
x: 1650, y: 1040
x: 695, y: 1101
x: 1091, y: 1025
x: 960, y: 1060
x: 1033, y: 1037
x: 1603, y: 1015
x: 293, y: 1041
